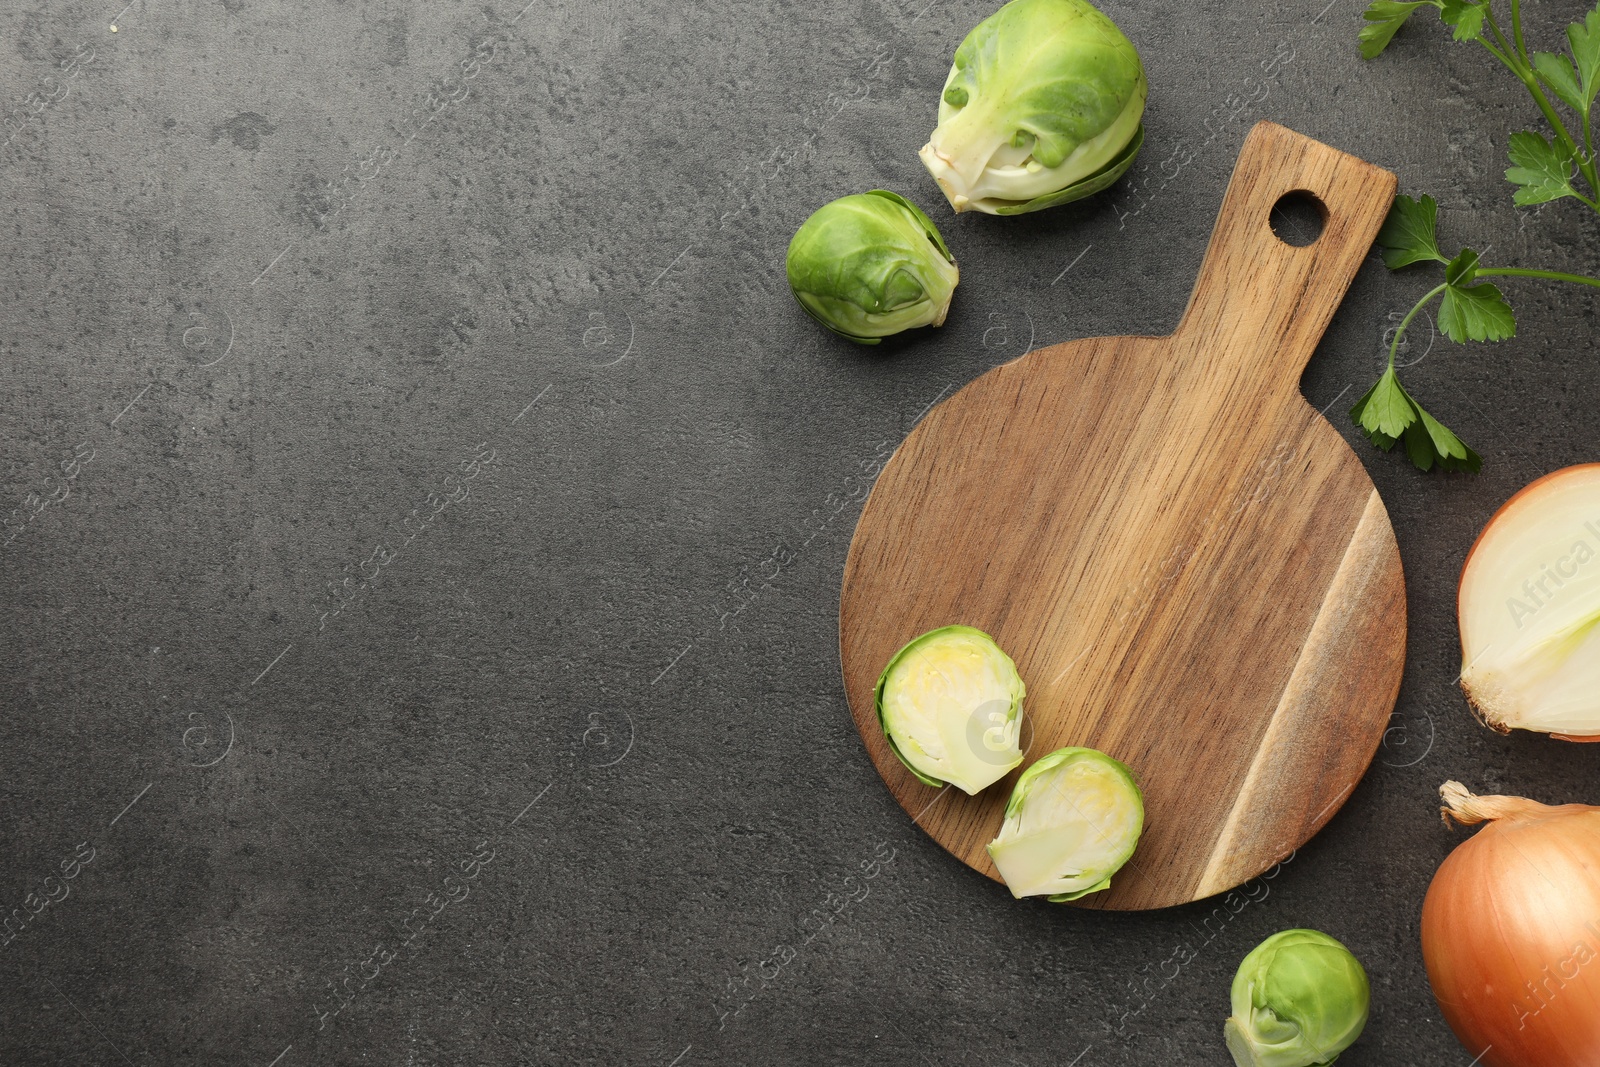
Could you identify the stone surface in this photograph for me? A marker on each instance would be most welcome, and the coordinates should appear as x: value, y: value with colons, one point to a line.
x: 570, y: 777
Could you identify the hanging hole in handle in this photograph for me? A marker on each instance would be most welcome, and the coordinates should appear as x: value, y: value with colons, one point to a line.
x: 1298, y: 218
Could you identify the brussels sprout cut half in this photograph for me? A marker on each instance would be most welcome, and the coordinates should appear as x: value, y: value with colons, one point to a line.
x: 1300, y: 998
x: 1073, y: 820
x: 870, y: 265
x: 950, y: 703
x: 1043, y: 106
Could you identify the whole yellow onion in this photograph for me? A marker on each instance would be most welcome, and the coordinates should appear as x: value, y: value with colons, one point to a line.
x: 1511, y: 931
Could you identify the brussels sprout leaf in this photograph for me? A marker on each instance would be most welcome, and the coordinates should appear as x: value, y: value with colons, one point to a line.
x: 1387, y: 414
x: 921, y: 216
x: 1102, y: 179
x: 1543, y: 170
x: 1384, y: 19
x: 1408, y: 234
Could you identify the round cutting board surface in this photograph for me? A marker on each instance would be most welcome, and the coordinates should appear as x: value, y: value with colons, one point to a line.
x: 1189, y: 565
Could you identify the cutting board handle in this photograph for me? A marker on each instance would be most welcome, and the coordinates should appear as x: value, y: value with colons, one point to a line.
x: 1261, y: 305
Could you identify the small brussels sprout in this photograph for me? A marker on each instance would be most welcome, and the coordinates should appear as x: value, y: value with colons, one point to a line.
x: 1300, y: 998
x: 950, y: 703
x: 1073, y: 820
x: 870, y: 265
x: 1042, y: 107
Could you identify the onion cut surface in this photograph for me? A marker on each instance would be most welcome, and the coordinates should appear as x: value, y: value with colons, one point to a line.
x: 1529, y: 610
x: 1511, y: 932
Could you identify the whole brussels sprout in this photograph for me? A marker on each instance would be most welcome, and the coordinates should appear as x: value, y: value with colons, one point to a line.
x: 1300, y: 998
x: 870, y: 265
x: 1042, y: 107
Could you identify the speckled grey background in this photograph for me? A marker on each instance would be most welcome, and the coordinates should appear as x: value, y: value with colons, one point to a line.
x: 570, y: 777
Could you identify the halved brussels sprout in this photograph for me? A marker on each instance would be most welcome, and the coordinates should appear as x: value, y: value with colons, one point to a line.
x: 1073, y: 820
x: 950, y: 703
x: 1042, y: 107
x: 870, y: 265
x: 1300, y: 998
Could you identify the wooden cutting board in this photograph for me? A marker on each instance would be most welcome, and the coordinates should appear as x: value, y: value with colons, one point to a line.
x: 1188, y: 563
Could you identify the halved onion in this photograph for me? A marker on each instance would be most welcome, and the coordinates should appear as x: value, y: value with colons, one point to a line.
x: 1529, y: 609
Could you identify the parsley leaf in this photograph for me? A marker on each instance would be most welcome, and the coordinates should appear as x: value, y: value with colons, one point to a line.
x: 1558, y: 73
x: 1408, y: 235
x: 1466, y: 16
x: 1473, y: 312
x: 1543, y: 170
x: 1384, y: 18
x: 1584, y: 37
x: 1462, y: 269
x: 1387, y: 414
x: 1448, y: 450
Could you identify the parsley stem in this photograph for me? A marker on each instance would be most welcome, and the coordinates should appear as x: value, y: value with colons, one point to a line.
x: 1394, y: 346
x: 1500, y: 272
x: 1514, y: 56
x: 1515, y: 60
x: 1585, y: 164
x: 1516, y: 28
x: 1505, y: 60
x: 1588, y: 147
x: 1591, y: 204
x: 1505, y: 52
x: 1551, y: 275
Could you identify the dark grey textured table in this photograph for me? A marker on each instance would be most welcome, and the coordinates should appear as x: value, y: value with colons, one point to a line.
x: 427, y: 652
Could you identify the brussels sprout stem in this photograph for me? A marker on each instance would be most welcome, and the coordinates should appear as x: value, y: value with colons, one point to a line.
x: 970, y: 138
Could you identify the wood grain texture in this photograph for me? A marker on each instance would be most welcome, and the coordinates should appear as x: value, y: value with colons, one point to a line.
x: 1189, y: 565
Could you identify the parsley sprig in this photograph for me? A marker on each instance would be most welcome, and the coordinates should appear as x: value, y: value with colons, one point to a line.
x: 1469, y: 310
x: 1543, y: 169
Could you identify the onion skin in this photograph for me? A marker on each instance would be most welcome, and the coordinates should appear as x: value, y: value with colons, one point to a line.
x: 1511, y: 932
